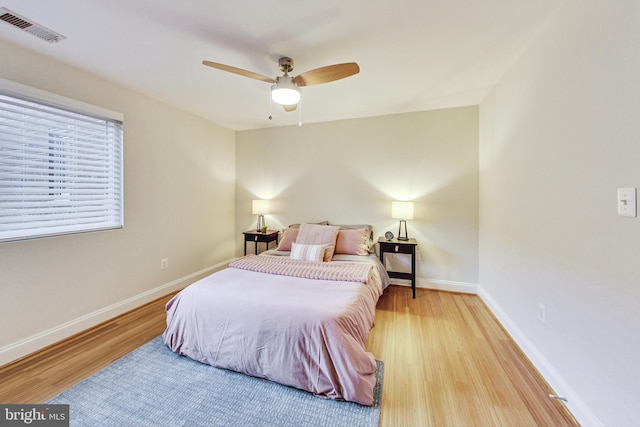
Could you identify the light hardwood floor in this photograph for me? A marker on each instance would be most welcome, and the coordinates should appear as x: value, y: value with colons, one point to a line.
x: 447, y: 363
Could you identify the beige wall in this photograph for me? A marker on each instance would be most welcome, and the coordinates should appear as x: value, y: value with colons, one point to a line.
x: 559, y: 135
x: 349, y: 172
x: 179, y: 173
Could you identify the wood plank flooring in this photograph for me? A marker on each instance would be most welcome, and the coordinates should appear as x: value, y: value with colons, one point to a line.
x: 44, y: 374
x: 447, y: 363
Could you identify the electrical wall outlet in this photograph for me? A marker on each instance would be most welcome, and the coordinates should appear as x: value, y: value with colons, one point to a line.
x: 164, y: 263
x: 542, y: 313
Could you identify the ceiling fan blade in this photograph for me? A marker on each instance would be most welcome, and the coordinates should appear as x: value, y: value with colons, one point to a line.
x: 239, y: 71
x: 327, y: 74
x: 290, y: 108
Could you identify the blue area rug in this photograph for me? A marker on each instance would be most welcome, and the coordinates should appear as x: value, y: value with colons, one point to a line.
x: 152, y: 386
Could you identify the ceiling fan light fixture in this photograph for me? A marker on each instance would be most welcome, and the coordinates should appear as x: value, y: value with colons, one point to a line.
x: 285, y: 91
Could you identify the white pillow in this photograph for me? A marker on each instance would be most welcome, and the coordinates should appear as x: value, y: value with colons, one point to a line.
x: 307, y: 252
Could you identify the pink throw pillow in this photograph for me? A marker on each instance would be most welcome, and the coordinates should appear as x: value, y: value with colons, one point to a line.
x: 352, y: 242
x: 288, y: 237
x: 312, y: 234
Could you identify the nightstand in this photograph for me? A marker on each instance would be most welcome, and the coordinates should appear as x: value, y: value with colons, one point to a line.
x: 260, y: 237
x: 395, y: 246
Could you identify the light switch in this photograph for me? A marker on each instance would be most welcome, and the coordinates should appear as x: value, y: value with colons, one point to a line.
x: 627, y: 202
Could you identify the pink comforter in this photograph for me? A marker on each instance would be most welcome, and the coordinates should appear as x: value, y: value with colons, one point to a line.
x: 305, y: 333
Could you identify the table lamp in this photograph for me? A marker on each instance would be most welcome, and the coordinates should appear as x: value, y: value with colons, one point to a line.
x: 260, y: 208
x: 402, y: 211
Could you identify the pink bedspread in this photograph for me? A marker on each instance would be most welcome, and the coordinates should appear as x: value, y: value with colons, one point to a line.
x: 305, y: 333
x: 285, y: 266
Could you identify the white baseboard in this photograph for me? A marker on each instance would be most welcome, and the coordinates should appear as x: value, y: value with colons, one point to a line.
x: 38, y: 341
x: 440, y: 285
x: 578, y: 408
x: 446, y: 285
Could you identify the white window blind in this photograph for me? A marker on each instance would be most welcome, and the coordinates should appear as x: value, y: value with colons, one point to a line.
x: 60, y: 169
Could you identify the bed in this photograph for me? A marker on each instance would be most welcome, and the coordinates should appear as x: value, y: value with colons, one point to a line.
x: 299, y: 322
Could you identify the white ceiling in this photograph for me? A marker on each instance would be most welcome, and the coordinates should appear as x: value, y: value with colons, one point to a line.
x: 414, y: 55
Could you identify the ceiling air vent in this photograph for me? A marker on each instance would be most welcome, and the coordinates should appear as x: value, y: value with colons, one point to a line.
x: 29, y: 26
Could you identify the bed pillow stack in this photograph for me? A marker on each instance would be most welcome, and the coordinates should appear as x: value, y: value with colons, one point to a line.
x: 350, y: 240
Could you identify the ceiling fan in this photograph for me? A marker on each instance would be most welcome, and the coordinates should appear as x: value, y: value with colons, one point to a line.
x: 286, y: 89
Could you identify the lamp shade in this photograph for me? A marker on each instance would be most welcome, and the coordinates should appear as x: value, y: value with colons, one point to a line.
x: 402, y: 210
x: 260, y: 207
x: 285, y: 91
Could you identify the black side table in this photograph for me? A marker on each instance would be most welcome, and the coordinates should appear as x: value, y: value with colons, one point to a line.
x: 396, y: 246
x: 260, y: 237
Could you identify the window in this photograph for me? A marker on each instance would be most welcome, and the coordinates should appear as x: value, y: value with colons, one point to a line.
x: 60, y: 165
